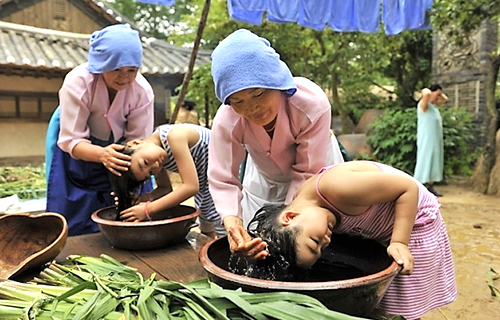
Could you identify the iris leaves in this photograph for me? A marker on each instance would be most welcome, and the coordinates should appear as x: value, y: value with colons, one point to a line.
x: 103, y: 288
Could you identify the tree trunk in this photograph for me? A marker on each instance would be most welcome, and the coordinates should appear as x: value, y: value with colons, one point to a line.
x: 192, y: 60
x: 337, y: 103
x: 482, y: 174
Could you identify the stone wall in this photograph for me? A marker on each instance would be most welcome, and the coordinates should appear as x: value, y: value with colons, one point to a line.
x: 461, y: 71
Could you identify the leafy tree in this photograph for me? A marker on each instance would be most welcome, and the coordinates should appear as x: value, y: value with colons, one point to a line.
x: 458, y: 18
x: 156, y: 20
x: 409, y: 56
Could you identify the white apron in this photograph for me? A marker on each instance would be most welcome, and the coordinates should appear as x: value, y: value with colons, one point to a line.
x: 259, y: 190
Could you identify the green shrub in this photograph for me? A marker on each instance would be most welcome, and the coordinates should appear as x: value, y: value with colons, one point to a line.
x: 393, y: 138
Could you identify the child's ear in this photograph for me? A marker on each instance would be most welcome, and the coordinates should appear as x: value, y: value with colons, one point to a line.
x: 134, y: 143
x: 287, y: 217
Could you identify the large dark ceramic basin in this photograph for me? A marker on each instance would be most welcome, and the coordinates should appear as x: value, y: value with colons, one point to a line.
x: 351, y: 277
x: 166, y: 228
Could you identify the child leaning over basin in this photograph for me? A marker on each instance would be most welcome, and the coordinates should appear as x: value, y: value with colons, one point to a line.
x: 373, y: 201
x: 181, y: 148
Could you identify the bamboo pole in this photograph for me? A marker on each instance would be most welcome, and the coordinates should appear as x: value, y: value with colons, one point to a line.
x: 192, y: 60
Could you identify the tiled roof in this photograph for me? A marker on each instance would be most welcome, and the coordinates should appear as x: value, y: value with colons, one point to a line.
x: 26, y: 47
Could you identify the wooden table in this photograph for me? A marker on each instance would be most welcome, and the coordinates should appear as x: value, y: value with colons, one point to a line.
x: 177, y: 263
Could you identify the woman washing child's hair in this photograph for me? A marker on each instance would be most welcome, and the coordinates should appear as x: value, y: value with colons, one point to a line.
x: 373, y: 201
x: 181, y: 148
x: 282, y: 122
x: 102, y: 103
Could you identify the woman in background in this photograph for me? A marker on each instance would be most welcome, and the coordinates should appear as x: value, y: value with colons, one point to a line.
x: 429, y: 167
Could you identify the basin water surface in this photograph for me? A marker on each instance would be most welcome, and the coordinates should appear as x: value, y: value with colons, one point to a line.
x: 351, y: 276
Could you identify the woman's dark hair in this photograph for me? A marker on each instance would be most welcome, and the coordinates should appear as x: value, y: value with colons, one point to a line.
x: 124, y: 186
x: 280, y: 264
x: 435, y: 87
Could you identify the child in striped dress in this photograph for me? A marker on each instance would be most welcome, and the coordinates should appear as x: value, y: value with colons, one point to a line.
x: 373, y: 201
x: 181, y: 148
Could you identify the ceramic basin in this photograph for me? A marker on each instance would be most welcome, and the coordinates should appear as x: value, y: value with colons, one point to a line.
x: 351, y: 277
x: 166, y: 228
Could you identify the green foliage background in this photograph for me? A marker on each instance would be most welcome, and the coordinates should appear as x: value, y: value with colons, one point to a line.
x: 393, y: 137
x: 357, y: 61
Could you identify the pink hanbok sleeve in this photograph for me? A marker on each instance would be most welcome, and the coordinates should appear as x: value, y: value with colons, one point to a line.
x: 74, y: 101
x: 226, y: 153
x: 140, y: 120
x: 86, y: 109
x: 311, y: 118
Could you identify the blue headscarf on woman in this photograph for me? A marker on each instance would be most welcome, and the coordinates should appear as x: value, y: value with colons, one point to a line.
x: 244, y: 60
x: 114, y: 47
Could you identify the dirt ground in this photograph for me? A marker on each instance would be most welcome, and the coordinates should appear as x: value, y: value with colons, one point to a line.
x: 473, y: 222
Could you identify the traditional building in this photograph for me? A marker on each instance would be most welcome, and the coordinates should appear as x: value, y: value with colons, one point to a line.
x: 40, y: 42
x: 462, y: 71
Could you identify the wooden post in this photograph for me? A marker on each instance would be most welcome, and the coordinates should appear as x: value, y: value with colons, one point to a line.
x: 189, y: 73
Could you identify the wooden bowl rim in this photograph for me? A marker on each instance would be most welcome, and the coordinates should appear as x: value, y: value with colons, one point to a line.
x: 61, y: 237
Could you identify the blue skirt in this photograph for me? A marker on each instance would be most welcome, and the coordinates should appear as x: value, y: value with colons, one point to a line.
x: 77, y: 188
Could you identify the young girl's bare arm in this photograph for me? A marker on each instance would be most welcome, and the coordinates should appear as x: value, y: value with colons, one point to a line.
x: 353, y: 189
x: 178, y: 141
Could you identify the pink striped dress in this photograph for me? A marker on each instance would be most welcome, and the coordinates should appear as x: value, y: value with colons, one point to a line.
x: 432, y: 283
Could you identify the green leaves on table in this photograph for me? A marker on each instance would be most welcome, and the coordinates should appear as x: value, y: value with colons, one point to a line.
x: 104, y: 288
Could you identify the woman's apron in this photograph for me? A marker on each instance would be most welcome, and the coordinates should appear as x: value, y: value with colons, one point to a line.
x: 259, y: 190
x: 77, y: 188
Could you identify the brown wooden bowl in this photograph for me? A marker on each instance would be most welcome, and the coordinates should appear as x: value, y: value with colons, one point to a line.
x: 351, y: 276
x: 167, y: 227
x: 30, y: 240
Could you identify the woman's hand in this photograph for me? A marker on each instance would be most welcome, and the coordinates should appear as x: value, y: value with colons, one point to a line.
x: 402, y: 255
x: 135, y: 214
x: 240, y: 241
x: 114, y: 160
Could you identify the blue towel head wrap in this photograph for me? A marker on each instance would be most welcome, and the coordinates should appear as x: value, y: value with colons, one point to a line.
x: 244, y: 60
x: 114, y: 47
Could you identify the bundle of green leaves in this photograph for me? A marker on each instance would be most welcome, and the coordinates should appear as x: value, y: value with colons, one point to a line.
x: 103, y: 288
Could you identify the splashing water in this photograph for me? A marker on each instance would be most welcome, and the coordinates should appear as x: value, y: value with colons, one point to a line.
x: 274, y: 267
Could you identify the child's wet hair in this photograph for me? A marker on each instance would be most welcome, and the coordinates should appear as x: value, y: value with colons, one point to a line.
x: 125, y: 186
x: 280, y: 264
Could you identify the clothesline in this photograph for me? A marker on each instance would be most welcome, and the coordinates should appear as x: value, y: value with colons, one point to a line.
x: 339, y: 15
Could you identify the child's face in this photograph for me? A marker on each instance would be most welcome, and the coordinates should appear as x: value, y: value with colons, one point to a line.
x: 317, y: 225
x: 120, y: 78
x: 147, y: 159
x: 257, y: 105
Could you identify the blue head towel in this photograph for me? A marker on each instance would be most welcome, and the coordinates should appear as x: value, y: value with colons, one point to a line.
x: 243, y: 60
x: 114, y: 47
